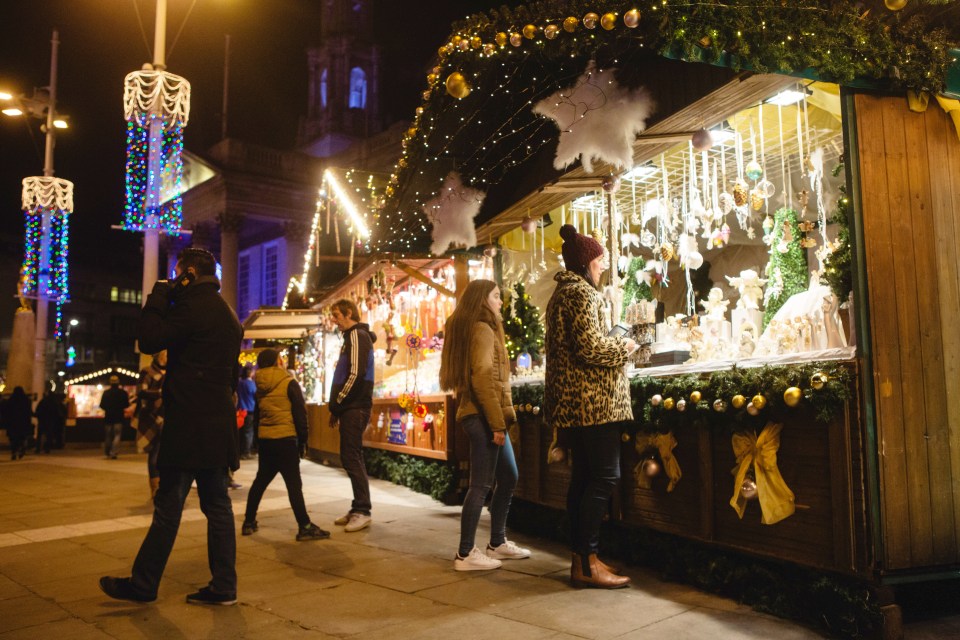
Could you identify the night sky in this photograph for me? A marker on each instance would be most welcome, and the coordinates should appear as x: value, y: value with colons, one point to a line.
x: 102, y: 40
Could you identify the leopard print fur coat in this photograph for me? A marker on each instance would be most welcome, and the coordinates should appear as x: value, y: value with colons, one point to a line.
x: 585, y: 381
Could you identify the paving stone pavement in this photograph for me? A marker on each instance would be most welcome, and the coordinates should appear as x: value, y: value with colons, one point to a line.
x: 70, y: 517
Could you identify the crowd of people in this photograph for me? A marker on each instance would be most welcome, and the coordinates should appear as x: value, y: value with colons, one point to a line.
x: 198, y: 413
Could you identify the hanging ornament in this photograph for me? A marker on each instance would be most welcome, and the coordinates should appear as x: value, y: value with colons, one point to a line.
x: 719, y: 405
x: 753, y: 170
x: 818, y: 380
x: 405, y: 400
x: 701, y: 140
x: 610, y: 183
x: 624, y: 437
x: 590, y: 20
x: 694, y: 260
x: 681, y: 405
x: 516, y: 39
x: 756, y: 199
x: 792, y: 396
x: 413, y: 341
x: 500, y: 38
x: 656, y: 399
x: 528, y: 224
x: 768, y: 224
x: 464, y: 44
x: 740, y: 193
x: 895, y: 5
x: 570, y: 24
x: 738, y: 401
x: 749, y: 487
x: 608, y: 21
x: 420, y: 410
x: 457, y: 85
x: 530, y: 32
x: 490, y: 251
x: 647, y: 239
x: 631, y: 18
x: 650, y: 467
x: 536, y: 410
x: 666, y: 251
x: 557, y: 455
x: 766, y: 188
x: 488, y: 49
x: 668, y: 404
x: 551, y: 31
x: 759, y: 401
x: 725, y: 202
x: 695, y: 396
x: 475, y: 42
x: 751, y: 409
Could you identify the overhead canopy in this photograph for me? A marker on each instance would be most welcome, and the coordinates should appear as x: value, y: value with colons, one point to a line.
x: 276, y: 324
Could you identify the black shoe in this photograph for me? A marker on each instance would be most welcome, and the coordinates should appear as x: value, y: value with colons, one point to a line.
x: 312, y: 532
x: 235, y: 485
x: 121, y: 589
x: 207, y: 596
x: 249, y: 528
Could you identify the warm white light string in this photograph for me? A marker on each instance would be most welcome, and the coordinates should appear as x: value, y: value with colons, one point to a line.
x: 152, y: 94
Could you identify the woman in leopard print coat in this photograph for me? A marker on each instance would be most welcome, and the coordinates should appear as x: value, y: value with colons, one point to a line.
x: 586, y: 400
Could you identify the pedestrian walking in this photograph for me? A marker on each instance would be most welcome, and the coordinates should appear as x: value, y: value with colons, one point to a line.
x: 51, y: 416
x: 16, y: 414
x: 474, y: 364
x: 351, y: 398
x: 246, y: 404
x: 201, y: 333
x: 114, y: 403
x: 586, y: 400
x: 282, y: 439
x: 149, y: 415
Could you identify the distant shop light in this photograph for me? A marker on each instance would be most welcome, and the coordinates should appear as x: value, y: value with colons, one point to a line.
x: 787, y: 97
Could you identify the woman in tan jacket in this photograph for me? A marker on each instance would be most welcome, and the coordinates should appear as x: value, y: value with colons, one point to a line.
x: 474, y: 365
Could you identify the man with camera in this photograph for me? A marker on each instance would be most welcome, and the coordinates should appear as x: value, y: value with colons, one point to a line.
x: 201, y: 333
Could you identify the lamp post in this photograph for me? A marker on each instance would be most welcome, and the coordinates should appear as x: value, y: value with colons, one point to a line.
x: 47, y: 202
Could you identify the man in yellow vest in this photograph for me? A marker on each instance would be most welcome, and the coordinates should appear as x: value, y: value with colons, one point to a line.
x: 282, y: 438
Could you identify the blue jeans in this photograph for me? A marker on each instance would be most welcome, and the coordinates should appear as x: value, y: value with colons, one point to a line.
x: 111, y: 438
x: 168, y: 509
x: 489, y: 463
x: 595, y: 453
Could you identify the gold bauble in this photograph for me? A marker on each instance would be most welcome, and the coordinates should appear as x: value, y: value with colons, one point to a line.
x: 792, y: 396
x: 411, y: 132
x: 570, y: 24
x: 705, y: 41
x: 500, y: 38
x: 695, y: 397
x: 759, y: 401
x: 426, y: 94
x: 475, y: 42
x: 756, y: 199
x: 819, y: 379
x: 431, y: 78
x: 464, y: 44
x: 530, y: 32
x: 895, y: 5
x: 590, y: 20
x: 608, y: 21
x: 666, y: 251
x: 489, y: 48
x: 455, y: 41
x: 402, y: 163
x: 516, y: 39
x: 668, y: 404
x: 551, y: 31
x: 388, y: 190
x: 631, y: 18
x: 749, y: 488
x: 443, y: 51
x: 625, y: 437
x: 738, y: 401
x: 457, y: 85
x: 557, y: 454
x: 419, y: 111
x: 739, y: 193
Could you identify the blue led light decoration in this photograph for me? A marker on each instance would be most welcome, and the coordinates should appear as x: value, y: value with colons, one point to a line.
x: 156, y: 108
x: 47, y: 203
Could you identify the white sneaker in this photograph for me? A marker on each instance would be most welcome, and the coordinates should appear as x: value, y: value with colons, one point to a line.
x: 356, y: 522
x: 508, y: 551
x: 476, y: 560
x: 344, y: 519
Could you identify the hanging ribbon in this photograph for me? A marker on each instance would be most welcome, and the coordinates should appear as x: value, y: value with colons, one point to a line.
x: 664, y: 443
x: 776, y: 499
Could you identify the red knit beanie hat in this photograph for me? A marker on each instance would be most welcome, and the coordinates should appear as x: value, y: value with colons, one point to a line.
x: 578, y: 250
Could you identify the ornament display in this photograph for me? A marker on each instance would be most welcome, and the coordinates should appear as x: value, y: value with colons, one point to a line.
x: 457, y: 85
x: 610, y: 183
x: 570, y: 24
x: 758, y: 401
x: 753, y: 170
x: 608, y: 21
x: 530, y: 32
x: 500, y: 38
x: 749, y: 488
x: 695, y: 396
x: 818, y: 380
x: 740, y: 194
x: 551, y: 31
x: 738, y: 401
x: 516, y: 39
x: 701, y: 140
x: 668, y: 404
x: 656, y: 399
x: 413, y: 341
x: 650, y: 467
x: 631, y: 18
x: 895, y: 5
x: 792, y: 396
x: 719, y: 405
x: 752, y: 409
x: 590, y: 20
x: 681, y: 405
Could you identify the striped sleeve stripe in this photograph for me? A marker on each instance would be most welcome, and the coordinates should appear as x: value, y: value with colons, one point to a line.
x: 354, y: 368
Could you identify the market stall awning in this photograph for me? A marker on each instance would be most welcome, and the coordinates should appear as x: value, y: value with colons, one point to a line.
x: 276, y: 324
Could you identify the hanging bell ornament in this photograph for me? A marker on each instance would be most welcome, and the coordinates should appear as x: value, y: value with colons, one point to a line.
x: 695, y: 396
x: 500, y: 38
x: 749, y: 487
x: 719, y: 405
x: 758, y: 401
x: 895, y: 5
x: 792, y: 396
x: 818, y: 380
x: 701, y: 140
x: 738, y: 401
x: 608, y: 21
x: 753, y: 170
x: 740, y: 193
x: 631, y: 18
x: 530, y: 32
x: 551, y: 31
x: 590, y: 20
x: 668, y: 404
x: 650, y: 467
x: 528, y: 224
x: 610, y: 183
x: 570, y: 24
x: 656, y: 399
x: 457, y: 85
x: 751, y: 409
x: 681, y: 405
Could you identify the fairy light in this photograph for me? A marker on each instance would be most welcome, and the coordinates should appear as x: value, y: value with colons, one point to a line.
x: 168, y: 215
x: 51, y: 199
x: 100, y: 373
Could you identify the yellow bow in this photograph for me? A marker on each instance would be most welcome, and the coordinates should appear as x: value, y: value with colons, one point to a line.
x: 664, y: 443
x: 918, y: 102
x: 776, y: 499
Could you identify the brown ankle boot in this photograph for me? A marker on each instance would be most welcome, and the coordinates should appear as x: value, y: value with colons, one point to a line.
x: 609, y: 567
x: 594, y: 574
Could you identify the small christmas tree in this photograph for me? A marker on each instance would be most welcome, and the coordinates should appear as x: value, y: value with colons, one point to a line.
x: 838, y: 263
x: 634, y: 289
x: 522, y: 325
x: 787, y: 269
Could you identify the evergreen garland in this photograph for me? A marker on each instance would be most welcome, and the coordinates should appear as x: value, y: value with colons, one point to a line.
x: 521, y: 324
x: 837, y: 271
x: 432, y: 477
x: 787, y: 268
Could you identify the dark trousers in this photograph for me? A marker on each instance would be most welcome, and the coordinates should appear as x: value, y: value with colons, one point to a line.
x: 18, y: 445
x: 246, y: 435
x: 489, y: 464
x: 353, y: 422
x: 152, y: 470
x: 45, y: 438
x: 278, y: 456
x: 595, y: 453
x: 168, y: 509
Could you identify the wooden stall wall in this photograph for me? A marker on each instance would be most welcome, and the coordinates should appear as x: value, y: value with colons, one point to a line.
x: 909, y: 172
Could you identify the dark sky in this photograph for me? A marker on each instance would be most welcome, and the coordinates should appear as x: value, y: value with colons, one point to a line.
x: 102, y: 40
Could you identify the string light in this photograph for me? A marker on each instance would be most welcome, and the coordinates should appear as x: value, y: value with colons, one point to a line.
x: 47, y: 198
x: 100, y: 373
x: 168, y: 214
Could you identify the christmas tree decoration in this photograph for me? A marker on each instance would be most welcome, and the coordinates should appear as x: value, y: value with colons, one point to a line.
x: 551, y: 31
x: 590, y: 20
x: 452, y: 213
x: 752, y: 409
x: 701, y: 140
x: 457, y: 85
x: 631, y: 18
x: 753, y: 170
x: 738, y: 401
x: 649, y: 467
x: 522, y: 325
x: 792, y: 396
x: 818, y: 380
x: 570, y: 24
x: 656, y: 399
x: 719, y: 405
x: 516, y: 39
x: 695, y: 396
x: 608, y: 21
x: 610, y: 183
x: 787, y: 268
x: 530, y: 32
x: 895, y: 5
x: 758, y: 401
x: 759, y: 454
x: 668, y: 404
x: 681, y: 405
x: 748, y: 489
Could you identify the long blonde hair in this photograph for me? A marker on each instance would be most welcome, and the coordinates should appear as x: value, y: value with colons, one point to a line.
x: 455, y: 357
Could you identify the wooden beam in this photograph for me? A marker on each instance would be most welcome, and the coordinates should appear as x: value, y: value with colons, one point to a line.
x: 416, y: 275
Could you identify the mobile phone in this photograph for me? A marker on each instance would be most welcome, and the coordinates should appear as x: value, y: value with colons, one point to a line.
x: 619, y: 330
x: 183, y: 281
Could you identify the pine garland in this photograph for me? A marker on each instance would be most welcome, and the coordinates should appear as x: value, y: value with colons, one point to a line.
x: 431, y: 477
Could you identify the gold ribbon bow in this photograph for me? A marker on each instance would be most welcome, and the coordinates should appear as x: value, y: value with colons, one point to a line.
x: 664, y: 443
x: 918, y: 101
x: 776, y: 499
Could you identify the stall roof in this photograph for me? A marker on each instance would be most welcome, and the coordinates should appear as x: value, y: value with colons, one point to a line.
x: 277, y: 324
x: 392, y: 267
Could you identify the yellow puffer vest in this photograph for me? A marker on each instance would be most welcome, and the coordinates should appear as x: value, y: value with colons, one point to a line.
x: 276, y: 417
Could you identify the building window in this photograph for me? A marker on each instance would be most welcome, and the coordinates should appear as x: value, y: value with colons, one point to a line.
x: 323, y: 89
x: 114, y: 294
x: 128, y: 296
x: 358, y: 88
x: 243, y: 286
x: 270, y: 284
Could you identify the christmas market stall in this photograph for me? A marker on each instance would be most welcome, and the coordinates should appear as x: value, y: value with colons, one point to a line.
x: 777, y: 186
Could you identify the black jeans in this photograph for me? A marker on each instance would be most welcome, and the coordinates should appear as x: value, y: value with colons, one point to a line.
x: 168, y: 509
x: 282, y: 456
x: 353, y: 422
x: 595, y: 453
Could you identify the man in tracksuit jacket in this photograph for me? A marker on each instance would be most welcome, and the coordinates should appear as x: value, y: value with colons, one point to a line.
x: 351, y: 396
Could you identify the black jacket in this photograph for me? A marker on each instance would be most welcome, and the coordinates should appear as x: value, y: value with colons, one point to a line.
x: 202, y: 337
x: 113, y: 402
x: 352, y: 386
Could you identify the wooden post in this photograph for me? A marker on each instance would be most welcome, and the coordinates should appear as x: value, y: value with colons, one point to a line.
x: 461, y: 270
